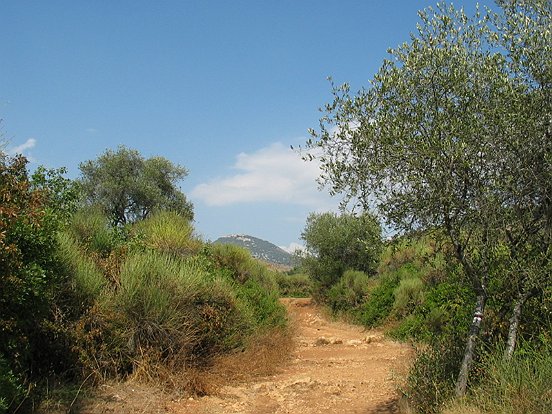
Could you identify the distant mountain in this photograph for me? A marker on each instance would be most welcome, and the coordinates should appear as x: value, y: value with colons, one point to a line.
x: 260, y: 249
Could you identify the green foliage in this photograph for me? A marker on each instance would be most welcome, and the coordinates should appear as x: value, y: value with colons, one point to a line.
x: 349, y: 292
x: 83, y: 294
x: 61, y: 194
x: 11, y: 388
x: 408, y: 295
x: 169, y: 232
x: 521, y: 385
x: 453, y: 134
x: 30, y: 215
x: 295, y: 285
x: 432, y: 376
x: 158, y: 295
x: 336, y: 243
x: 170, y: 301
x: 90, y: 227
x: 241, y: 267
x: 129, y: 188
x: 379, y: 302
x: 86, y: 279
x: 234, y: 259
x: 264, y: 306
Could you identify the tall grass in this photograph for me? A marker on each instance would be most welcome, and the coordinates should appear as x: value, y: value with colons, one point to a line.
x: 431, y: 379
x: 90, y: 227
x: 168, y: 232
x: 522, y: 385
x: 86, y: 279
x: 177, y: 308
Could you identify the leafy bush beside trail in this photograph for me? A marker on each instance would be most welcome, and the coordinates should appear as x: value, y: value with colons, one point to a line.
x: 171, y: 301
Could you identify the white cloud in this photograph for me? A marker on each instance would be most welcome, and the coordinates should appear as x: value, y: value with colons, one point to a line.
x: 20, y: 149
x: 272, y: 174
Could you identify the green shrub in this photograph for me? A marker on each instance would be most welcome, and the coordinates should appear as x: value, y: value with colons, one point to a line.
x: 411, y: 327
x: 85, y: 279
x: 91, y: 228
x: 234, y: 259
x: 29, y: 271
x: 156, y: 296
x: 264, y: 306
x: 297, y: 285
x: 349, y: 292
x: 241, y: 266
x: 408, y: 295
x: 379, y: 302
x: 169, y: 311
x: 432, y: 377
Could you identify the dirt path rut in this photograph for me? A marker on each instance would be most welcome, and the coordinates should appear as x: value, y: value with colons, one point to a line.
x: 335, y: 368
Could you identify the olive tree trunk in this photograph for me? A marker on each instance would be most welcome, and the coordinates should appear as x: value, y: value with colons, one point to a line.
x: 514, y: 325
x: 462, y: 381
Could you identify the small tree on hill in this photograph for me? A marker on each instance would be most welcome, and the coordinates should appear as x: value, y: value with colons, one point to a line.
x: 130, y: 187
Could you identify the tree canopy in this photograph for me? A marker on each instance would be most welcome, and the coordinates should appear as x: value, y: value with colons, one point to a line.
x: 130, y: 187
x: 454, y: 133
x: 336, y: 243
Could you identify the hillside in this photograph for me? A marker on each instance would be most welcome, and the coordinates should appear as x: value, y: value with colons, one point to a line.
x: 260, y: 249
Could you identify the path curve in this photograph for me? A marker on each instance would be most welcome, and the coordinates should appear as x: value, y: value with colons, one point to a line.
x: 335, y: 368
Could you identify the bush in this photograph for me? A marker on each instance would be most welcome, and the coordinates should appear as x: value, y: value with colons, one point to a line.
x: 29, y: 270
x: 241, y: 267
x: 90, y: 227
x: 174, y: 312
x: 379, y: 301
x: 297, y: 285
x: 335, y: 243
x: 264, y: 306
x: 411, y: 327
x: 408, y: 295
x: 433, y: 374
x: 235, y: 259
x: 85, y: 279
x: 175, y: 307
x: 347, y: 294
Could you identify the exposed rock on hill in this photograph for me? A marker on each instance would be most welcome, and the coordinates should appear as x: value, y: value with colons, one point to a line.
x: 260, y: 249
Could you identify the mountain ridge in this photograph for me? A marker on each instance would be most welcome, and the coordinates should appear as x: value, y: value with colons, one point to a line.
x: 259, y: 249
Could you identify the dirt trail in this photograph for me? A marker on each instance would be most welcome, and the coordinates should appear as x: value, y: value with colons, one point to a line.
x: 335, y: 368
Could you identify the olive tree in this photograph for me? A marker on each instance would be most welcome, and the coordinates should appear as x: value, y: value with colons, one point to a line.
x: 525, y: 33
x: 436, y: 138
x: 130, y: 187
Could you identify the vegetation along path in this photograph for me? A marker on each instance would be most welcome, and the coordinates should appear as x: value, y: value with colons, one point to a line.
x: 335, y: 368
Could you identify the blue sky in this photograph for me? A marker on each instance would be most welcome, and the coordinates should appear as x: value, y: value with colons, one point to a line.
x: 220, y: 87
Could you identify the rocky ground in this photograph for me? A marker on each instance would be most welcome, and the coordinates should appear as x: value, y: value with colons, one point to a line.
x: 335, y: 368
